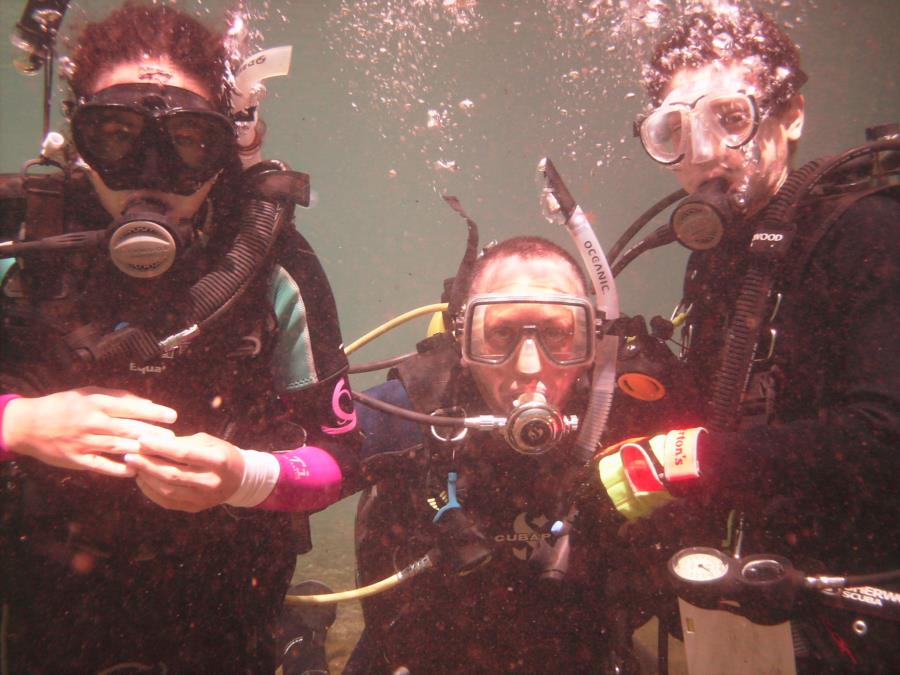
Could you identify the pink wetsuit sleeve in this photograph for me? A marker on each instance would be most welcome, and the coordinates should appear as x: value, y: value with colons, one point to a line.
x: 5, y: 455
x: 310, y: 479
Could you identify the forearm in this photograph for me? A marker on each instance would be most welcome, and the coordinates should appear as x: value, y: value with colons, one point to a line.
x: 5, y: 453
x: 327, y: 414
x: 304, y: 479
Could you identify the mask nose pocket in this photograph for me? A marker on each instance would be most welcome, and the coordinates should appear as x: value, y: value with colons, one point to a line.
x: 704, y: 141
x: 528, y: 360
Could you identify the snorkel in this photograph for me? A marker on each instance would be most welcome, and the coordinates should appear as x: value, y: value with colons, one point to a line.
x: 560, y: 207
x: 247, y: 92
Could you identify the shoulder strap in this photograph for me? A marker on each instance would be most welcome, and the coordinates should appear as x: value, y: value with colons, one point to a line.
x: 818, y: 223
x: 768, y: 249
x: 430, y: 377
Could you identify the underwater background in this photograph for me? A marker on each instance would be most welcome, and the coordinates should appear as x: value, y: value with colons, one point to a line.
x: 390, y: 105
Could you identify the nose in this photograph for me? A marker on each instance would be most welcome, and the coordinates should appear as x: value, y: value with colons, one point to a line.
x: 528, y: 360
x: 704, y: 143
x: 151, y: 169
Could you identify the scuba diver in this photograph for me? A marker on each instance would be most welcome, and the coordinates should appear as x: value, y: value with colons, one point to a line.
x: 169, y: 340
x: 787, y: 441
x: 514, y: 587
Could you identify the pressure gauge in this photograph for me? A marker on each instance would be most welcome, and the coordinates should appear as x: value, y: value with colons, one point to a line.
x: 699, y: 564
x: 702, y: 575
x: 768, y: 585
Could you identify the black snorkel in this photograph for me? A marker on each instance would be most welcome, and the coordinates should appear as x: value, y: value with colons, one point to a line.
x: 454, y: 296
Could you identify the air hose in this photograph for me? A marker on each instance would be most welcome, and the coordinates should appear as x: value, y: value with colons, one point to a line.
x: 481, y: 422
x: 393, y: 323
x: 639, y: 223
x: 426, y: 562
x: 216, y: 292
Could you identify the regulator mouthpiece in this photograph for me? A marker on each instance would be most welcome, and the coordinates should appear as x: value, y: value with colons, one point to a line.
x: 534, y: 426
x: 144, y: 242
x: 699, y: 221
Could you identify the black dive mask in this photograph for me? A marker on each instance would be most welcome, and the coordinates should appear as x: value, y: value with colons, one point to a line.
x: 152, y: 137
x: 700, y: 219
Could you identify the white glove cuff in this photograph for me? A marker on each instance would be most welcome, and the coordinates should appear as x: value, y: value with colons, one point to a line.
x: 261, y: 471
x: 680, y: 459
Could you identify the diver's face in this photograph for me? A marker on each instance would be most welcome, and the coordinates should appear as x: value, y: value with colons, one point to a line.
x: 528, y: 369
x: 147, y: 71
x: 755, y: 170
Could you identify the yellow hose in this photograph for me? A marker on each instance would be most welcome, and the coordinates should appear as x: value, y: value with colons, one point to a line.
x: 355, y: 594
x: 393, y: 323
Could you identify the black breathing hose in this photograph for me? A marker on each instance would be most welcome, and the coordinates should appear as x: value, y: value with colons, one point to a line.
x: 213, y: 294
x: 875, y: 578
x: 380, y: 365
x: 412, y: 415
x: 661, y: 237
x: 741, y: 336
x: 642, y: 220
x: 217, y: 291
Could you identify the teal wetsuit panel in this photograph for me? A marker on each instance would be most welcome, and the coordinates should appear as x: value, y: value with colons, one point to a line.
x: 293, y: 362
x: 5, y: 264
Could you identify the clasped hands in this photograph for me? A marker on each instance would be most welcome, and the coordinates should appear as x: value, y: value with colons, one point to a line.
x: 115, y: 433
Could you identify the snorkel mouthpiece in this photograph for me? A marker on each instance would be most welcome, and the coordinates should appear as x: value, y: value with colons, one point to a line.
x: 534, y: 426
x: 699, y: 221
x: 144, y: 242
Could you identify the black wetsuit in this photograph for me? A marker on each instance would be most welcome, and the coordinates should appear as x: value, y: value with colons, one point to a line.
x: 503, y: 616
x: 815, y: 473
x: 95, y: 575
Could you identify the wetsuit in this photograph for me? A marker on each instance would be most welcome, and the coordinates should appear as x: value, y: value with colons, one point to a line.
x: 503, y: 616
x: 813, y: 464
x: 95, y: 574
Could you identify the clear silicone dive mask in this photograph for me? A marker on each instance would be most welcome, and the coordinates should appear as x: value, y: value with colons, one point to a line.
x: 700, y: 125
x: 562, y: 327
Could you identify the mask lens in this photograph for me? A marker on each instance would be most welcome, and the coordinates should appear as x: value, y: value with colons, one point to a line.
x: 201, y: 141
x: 662, y: 136
x: 106, y: 136
x: 563, y: 330
x: 733, y: 116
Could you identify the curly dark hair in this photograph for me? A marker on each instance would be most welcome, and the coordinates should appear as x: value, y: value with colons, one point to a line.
x: 135, y: 30
x: 732, y: 34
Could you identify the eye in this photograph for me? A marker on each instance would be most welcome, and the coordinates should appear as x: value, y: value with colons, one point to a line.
x: 116, y: 131
x: 734, y: 117
x: 189, y: 139
x: 555, y: 335
x: 113, y: 135
x: 501, y: 335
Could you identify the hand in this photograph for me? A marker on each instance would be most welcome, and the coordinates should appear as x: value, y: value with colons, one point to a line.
x: 637, y: 472
x: 81, y: 428
x: 187, y: 473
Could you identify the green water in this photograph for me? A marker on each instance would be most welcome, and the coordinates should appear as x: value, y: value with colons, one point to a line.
x: 520, y: 81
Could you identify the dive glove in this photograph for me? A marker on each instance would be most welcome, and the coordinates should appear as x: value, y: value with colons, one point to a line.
x: 636, y: 473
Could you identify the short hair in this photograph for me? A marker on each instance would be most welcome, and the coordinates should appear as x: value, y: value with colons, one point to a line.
x: 135, y: 30
x: 527, y: 248
x: 731, y: 33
